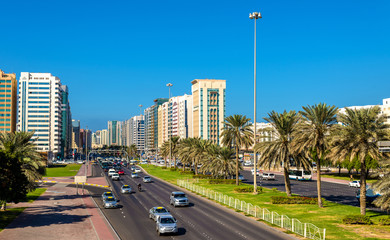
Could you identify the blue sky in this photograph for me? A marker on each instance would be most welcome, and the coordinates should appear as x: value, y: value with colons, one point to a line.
x: 115, y: 55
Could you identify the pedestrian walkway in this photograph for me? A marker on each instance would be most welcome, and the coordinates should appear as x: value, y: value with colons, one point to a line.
x: 60, y: 213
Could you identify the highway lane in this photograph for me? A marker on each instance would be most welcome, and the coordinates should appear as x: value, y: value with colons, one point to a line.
x: 334, y: 192
x: 202, y: 220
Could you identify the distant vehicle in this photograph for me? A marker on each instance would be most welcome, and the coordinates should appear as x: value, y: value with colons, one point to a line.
x: 166, y: 224
x: 268, y: 176
x: 134, y: 175
x: 121, y: 172
x: 111, y: 171
x: 137, y: 170
x: 354, y: 184
x: 301, y: 175
x: 132, y: 168
x: 370, y: 195
x: 115, y: 177
x: 147, y: 179
x: 247, y: 163
x: 125, y: 189
x: 257, y: 171
x: 133, y: 162
x: 105, y: 195
x: 154, y: 212
x: 178, y: 199
x: 110, y: 202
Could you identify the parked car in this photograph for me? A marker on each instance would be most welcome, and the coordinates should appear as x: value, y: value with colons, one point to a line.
x: 154, y: 212
x: 268, y: 176
x: 125, y: 189
x: 178, y: 199
x: 166, y: 224
x: 354, y: 184
x: 110, y: 202
x: 147, y: 179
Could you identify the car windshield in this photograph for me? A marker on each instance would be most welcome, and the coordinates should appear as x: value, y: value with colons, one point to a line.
x: 126, y: 187
x: 180, y: 195
x: 161, y: 210
x: 108, y: 194
x: 167, y: 220
x: 146, y: 177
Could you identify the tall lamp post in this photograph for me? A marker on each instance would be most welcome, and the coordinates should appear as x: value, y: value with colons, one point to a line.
x: 255, y: 16
x: 169, y: 85
x: 140, y: 109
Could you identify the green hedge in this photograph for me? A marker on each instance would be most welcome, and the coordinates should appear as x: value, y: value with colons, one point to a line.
x: 186, y: 172
x: 173, y: 169
x: 385, y: 220
x: 248, y: 189
x: 222, y: 181
x: 293, y: 200
x: 202, y: 176
x: 357, y: 219
x: 163, y: 167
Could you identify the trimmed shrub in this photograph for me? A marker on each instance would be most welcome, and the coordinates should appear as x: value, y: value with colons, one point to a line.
x: 293, y: 200
x: 274, y: 189
x: 186, y: 172
x: 173, y: 169
x: 384, y: 220
x: 222, y: 181
x: 357, y: 219
x: 202, y: 176
x: 248, y: 189
x: 163, y: 167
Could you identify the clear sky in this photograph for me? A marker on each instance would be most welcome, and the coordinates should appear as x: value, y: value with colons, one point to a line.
x: 115, y: 55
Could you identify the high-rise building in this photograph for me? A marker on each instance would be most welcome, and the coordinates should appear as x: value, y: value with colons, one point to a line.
x: 40, y: 98
x: 136, y: 132
x: 163, y: 122
x: 85, y: 140
x: 104, y: 137
x: 208, y: 108
x: 66, y: 137
x: 151, y: 125
x: 76, y: 136
x: 8, y: 101
x: 114, y: 133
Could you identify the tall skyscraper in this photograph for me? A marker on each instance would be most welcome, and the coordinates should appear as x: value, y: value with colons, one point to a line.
x: 40, y: 99
x: 208, y: 108
x: 151, y: 125
x: 76, y: 136
x: 136, y: 132
x: 114, y: 133
x: 104, y: 137
x: 8, y: 101
x: 66, y: 137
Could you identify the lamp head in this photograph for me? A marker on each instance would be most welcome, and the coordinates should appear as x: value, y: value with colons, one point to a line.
x: 255, y: 15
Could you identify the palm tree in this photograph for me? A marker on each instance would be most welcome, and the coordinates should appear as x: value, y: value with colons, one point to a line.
x: 132, y: 150
x: 279, y: 150
x: 164, y: 151
x: 198, y: 152
x: 358, y: 137
x: 221, y: 161
x: 184, y: 150
x: 17, y: 145
x: 383, y: 186
x: 313, y: 138
x: 237, y: 132
x: 174, y: 142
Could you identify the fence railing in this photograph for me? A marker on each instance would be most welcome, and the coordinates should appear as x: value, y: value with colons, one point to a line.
x: 307, y: 230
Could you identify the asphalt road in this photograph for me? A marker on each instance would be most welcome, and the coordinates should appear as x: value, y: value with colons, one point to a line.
x: 334, y: 192
x: 203, y: 219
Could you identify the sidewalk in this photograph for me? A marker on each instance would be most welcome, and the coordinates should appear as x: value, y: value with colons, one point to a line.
x: 60, y: 214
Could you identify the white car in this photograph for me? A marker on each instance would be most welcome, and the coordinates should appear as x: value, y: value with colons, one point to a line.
x: 137, y: 170
x: 115, y: 177
x: 111, y: 171
x: 257, y: 172
x: 134, y: 175
x: 247, y: 163
x: 268, y: 176
x: 354, y: 184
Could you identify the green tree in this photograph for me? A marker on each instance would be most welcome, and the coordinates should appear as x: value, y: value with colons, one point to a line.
x: 357, y: 137
x: 279, y: 150
x: 220, y: 162
x: 237, y: 132
x: 313, y: 139
x: 174, y: 145
x: 132, y: 150
x: 184, y: 151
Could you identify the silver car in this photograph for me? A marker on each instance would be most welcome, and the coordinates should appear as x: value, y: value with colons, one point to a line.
x: 166, y: 224
x: 134, y: 175
x: 178, y: 199
x: 147, y: 179
x: 110, y: 202
x: 105, y: 195
x: 125, y: 189
x: 155, y: 212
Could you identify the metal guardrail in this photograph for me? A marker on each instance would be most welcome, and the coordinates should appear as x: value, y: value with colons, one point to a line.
x: 307, y: 230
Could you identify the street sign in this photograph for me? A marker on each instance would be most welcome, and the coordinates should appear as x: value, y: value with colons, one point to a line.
x: 80, y: 179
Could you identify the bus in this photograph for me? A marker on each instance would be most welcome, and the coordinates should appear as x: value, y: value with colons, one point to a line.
x: 300, y: 175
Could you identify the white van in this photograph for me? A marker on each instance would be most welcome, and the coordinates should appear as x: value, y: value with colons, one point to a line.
x: 111, y: 171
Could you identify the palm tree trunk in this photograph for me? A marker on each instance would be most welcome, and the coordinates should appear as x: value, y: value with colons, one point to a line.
x: 319, y: 183
x: 166, y: 163
x: 174, y: 160
x: 3, y: 205
x: 196, y: 166
x: 237, y: 182
x: 363, y: 189
x: 286, y: 180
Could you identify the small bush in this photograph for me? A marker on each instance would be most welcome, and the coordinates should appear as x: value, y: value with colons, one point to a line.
x: 248, y: 189
x: 163, y: 167
x: 384, y: 220
x: 186, y: 172
x: 173, y: 169
x: 274, y: 189
x: 222, y: 181
x: 357, y: 219
x: 293, y: 200
x: 202, y: 176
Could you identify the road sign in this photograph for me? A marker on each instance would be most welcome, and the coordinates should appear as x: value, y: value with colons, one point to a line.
x: 80, y: 179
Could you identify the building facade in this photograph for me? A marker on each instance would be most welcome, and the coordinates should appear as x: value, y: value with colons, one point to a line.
x: 104, y: 137
x: 40, y: 100
x: 208, y: 108
x: 66, y: 136
x: 8, y: 101
x: 151, y: 125
x: 76, y: 136
x: 136, y: 126
x: 114, y: 133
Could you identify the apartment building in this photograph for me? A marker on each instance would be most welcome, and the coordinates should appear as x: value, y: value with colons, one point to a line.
x: 136, y: 132
x: 66, y: 135
x: 208, y: 109
x: 114, y: 133
x: 8, y: 101
x: 151, y: 125
x: 40, y: 100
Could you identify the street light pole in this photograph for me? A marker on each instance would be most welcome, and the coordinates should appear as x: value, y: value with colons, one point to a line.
x: 254, y: 15
x: 169, y: 85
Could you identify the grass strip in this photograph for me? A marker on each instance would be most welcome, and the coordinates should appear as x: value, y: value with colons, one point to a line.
x: 328, y: 217
x: 62, y: 170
